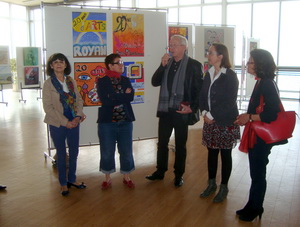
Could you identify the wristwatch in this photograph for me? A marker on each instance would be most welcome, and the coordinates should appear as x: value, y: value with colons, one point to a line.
x: 250, y: 117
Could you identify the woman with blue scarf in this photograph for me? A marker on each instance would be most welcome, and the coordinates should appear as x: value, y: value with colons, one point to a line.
x: 63, y: 106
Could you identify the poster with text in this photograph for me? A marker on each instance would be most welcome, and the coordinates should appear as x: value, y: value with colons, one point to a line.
x: 31, y: 75
x: 89, y: 34
x: 128, y: 34
x: 31, y: 56
x: 212, y: 35
x: 86, y: 75
x: 5, y: 70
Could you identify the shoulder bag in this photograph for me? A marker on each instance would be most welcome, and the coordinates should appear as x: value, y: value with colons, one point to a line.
x: 275, y: 131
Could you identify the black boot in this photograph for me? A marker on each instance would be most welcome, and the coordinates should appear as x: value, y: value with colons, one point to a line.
x: 212, y: 187
x: 251, y: 214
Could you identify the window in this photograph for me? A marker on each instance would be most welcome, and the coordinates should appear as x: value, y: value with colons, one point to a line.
x: 111, y: 3
x: 265, y: 26
x: 165, y: 3
x: 189, y: 2
x: 190, y: 15
x: 212, y: 14
x: 126, y: 3
x: 4, y: 9
x: 240, y: 16
x: 173, y: 15
x: 289, y: 48
x: 146, y: 4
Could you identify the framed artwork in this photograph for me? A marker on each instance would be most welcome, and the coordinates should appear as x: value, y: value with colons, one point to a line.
x: 212, y: 35
x: 5, y: 70
x: 128, y: 34
x: 31, y: 75
x: 31, y: 56
x: 89, y: 34
x: 86, y: 75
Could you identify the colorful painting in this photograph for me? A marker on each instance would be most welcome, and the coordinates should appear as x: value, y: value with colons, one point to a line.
x: 89, y: 34
x: 128, y: 34
x: 86, y: 75
x: 135, y: 72
x: 31, y: 56
x: 31, y: 75
x: 178, y: 31
x: 5, y: 70
x: 212, y: 35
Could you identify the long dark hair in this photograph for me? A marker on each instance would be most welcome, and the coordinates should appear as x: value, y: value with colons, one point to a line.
x: 221, y: 49
x: 54, y: 57
x: 264, y: 65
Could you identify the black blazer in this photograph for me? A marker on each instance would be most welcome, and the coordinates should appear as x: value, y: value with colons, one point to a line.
x: 223, y: 97
x: 192, y: 85
x: 267, y: 89
x: 110, y: 98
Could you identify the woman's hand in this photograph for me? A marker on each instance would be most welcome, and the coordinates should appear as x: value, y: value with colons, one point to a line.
x: 71, y: 124
x: 207, y: 120
x: 242, y: 119
x: 83, y: 118
x: 128, y: 90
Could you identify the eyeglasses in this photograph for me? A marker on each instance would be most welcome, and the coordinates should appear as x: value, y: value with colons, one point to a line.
x: 175, y: 46
x: 118, y: 63
x: 211, y: 53
x: 250, y: 63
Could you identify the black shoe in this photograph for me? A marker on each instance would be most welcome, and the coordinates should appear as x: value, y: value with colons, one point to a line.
x: 251, y: 214
x: 80, y: 186
x: 178, y: 181
x: 2, y: 187
x: 155, y: 176
x: 64, y: 192
x: 243, y: 211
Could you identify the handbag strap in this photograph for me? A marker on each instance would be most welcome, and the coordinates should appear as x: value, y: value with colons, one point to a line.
x: 261, y: 104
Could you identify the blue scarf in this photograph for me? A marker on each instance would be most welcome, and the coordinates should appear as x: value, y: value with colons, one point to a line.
x: 68, y: 100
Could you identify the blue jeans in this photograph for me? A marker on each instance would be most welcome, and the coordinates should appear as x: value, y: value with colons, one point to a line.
x: 59, y: 137
x: 110, y: 134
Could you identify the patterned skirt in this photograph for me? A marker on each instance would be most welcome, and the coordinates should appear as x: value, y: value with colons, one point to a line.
x: 220, y: 137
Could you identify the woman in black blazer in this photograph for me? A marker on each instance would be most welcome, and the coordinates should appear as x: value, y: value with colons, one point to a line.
x: 219, y: 110
x: 261, y: 64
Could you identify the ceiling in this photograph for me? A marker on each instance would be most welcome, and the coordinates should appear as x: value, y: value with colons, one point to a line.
x: 30, y: 2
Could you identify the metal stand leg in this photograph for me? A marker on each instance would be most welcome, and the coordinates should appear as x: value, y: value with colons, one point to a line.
x: 40, y: 91
x: 21, y: 100
x: 6, y: 103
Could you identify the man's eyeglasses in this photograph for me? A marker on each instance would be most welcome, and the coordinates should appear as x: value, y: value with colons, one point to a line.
x: 175, y: 46
x: 118, y: 63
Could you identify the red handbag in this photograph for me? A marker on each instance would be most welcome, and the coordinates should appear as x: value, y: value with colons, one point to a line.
x: 275, y: 131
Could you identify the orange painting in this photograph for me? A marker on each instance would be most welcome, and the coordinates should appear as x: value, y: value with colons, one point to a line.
x: 86, y: 75
x: 128, y: 34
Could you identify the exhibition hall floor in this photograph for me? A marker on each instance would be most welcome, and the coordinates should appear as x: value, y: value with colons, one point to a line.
x: 33, y: 194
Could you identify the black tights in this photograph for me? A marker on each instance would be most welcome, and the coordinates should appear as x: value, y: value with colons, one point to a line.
x: 212, y: 163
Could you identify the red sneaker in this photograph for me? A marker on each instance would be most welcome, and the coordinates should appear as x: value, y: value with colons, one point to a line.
x: 129, y: 183
x: 105, y: 185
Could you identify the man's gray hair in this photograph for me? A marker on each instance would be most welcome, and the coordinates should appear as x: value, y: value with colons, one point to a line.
x: 182, y: 39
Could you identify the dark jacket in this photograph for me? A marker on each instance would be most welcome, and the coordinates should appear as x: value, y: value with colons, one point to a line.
x: 266, y: 88
x: 223, y: 97
x: 192, y: 85
x: 110, y: 98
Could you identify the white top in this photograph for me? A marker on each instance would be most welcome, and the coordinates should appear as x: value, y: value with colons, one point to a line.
x: 64, y: 85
